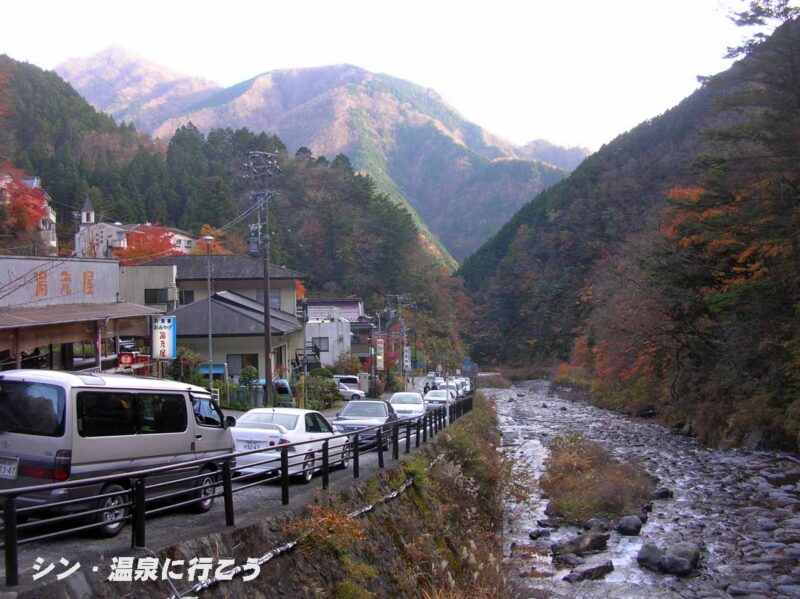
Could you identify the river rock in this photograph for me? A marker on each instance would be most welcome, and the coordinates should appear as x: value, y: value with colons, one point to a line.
x: 550, y: 522
x: 579, y: 545
x: 649, y: 555
x: 629, y: 526
x: 572, y: 560
x: 661, y: 493
x: 592, y: 572
x: 793, y: 590
x: 536, y: 534
x: 688, y: 551
x: 594, y: 524
x: 748, y: 588
x: 672, y: 564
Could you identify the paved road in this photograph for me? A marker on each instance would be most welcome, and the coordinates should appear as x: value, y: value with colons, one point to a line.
x: 251, y: 504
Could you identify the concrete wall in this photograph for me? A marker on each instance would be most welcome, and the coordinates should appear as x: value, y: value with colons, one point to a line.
x: 247, y: 288
x: 133, y: 280
x: 338, y: 333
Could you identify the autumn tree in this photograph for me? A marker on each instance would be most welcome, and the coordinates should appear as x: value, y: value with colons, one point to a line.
x: 148, y: 242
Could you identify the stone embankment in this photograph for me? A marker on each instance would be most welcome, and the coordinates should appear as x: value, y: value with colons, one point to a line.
x: 722, y: 522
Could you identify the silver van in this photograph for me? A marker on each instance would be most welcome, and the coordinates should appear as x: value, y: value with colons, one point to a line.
x: 350, y: 380
x: 59, y: 426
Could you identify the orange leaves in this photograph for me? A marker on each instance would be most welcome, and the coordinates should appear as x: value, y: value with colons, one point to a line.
x: 685, y: 195
x: 25, y: 206
x: 153, y: 241
x: 299, y: 289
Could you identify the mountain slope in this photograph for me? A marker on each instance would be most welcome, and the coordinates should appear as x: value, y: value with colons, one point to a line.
x: 384, y: 124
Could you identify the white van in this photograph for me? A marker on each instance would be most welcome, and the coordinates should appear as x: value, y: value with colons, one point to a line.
x: 58, y: 426
x: 351, y: 380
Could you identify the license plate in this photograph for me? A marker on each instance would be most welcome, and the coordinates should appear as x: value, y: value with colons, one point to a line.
x: 8, y: 467
x: 254, y: 445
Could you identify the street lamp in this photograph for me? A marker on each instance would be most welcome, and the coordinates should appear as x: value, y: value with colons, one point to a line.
x: 208, y: 239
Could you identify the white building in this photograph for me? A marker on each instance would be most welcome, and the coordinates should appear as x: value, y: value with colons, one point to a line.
x: 329, y: 331
x: 102, y: 240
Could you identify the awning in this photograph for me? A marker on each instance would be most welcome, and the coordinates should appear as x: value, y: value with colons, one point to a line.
x: 215, y: 369
x: 22, y: 317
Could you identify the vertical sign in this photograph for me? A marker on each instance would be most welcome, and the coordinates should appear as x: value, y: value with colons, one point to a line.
x: 164, y: 344
x: 379, y: 345
x: 406, y: 357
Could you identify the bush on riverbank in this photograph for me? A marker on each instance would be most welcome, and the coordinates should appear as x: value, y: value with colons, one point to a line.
x: 493, y: 381
x: 584, y: 481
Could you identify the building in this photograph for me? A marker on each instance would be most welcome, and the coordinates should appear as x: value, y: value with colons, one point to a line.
x: 44, y: 241
x: 237, y: 312
x: 329, y: 332
x: 64, y: 313
x: 352, y: 309
x: 102, y: 240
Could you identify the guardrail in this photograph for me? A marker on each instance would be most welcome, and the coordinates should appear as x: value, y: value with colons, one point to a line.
x: 128, y: 501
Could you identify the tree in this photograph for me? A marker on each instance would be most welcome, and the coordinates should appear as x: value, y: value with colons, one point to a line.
x: 146, y: 243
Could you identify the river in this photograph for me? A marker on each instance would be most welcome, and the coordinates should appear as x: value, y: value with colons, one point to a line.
x: 742, y: 508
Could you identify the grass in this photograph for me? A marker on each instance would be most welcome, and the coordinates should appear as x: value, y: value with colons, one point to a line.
x: 584, y: 481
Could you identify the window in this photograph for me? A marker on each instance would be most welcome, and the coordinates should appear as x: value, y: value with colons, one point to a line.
x: 188, y: 243
x: 236, y: 362
x: 206, y: 413
x: 274, y: 298
x: 322, y: 424
x: 312, y: 425
x: 32, y: 408
x: 162, y: 413
x: 321, y: 343
x: 155, y: 296
x: 186, y: 296
x: 106, y: 414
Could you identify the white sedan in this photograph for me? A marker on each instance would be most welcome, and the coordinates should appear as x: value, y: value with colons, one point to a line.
x: 269, y: 428
x: 350, y: 392
x: 408, y: 405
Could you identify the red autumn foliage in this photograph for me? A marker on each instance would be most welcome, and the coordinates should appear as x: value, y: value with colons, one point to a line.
x: 149, y: 242
x: 25, y: 206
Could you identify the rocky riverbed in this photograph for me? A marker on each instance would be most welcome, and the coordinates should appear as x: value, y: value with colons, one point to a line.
x: 741, y: 508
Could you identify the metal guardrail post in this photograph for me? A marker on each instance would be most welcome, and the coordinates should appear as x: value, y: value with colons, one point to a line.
x: 408, y: 436
x: 227, y: 492
x: 379, y: 444
x: 430, y: 424
x: 285, y: 476
x: 139, y: 514
x: 10, y: 523
x: 356, y: 450
x: 436, y: 416
x: 395, y: 442
x: 425, y: 419
x: 325, y: 469
x: 419, y: 431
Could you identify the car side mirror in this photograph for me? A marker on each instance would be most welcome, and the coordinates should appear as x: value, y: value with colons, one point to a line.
x: 230, y: 421
x: 337, y: 414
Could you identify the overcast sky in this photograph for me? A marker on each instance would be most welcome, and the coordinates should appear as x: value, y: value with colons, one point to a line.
x: 577, y: 72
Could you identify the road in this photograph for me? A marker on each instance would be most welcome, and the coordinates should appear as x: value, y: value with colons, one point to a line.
x: 251, y: 504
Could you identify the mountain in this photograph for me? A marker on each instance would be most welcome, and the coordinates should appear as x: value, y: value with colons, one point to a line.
x: 545, y: 151
x: 454, y: 175
x: 662, y: 273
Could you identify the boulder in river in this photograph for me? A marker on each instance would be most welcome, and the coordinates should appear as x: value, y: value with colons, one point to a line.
x: 550, y: 522
x: 592, y: 572
x: 591, y: 541
x: 688, y: 551
x: 629, y: 526
x: 661, y: 493
x: 535, y: 534
x: 672, y: 564
x: 649, y: 555
x: 572, y: 560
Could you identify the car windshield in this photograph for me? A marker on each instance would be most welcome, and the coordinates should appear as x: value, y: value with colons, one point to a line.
x: 435, y: 394
x: 32, y: 408
x: 406, y: 398
x: 364, y: 409
x: 265, y: 419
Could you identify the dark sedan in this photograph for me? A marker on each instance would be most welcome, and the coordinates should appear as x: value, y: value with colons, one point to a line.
x: 362, y: 414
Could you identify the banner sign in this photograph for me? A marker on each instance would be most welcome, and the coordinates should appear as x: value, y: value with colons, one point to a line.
x: 406, y: 357
x: 379, y: 345
x: 164, y: 342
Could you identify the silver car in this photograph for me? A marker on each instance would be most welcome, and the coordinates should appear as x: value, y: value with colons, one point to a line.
x: 408, y: 405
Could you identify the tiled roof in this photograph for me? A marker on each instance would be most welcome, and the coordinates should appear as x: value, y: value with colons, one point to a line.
x: 224, y: 267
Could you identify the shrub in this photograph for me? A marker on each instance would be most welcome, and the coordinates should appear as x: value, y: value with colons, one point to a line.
x: 248, y: 376
x: 347, y: 364
x: 583, y: 481
x: 323, y: 373
x: 322, y: 393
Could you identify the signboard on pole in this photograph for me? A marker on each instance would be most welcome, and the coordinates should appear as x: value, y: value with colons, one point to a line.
x: 406, y: 357
x: 379, y: 346
x: 164, y: 340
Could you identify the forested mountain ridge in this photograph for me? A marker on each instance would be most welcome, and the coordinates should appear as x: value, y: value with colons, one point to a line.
x: 664, y: 269
x: 418, y: 149
x: 327, y: 220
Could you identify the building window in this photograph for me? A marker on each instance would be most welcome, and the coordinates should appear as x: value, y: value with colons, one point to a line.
x: 321, y: 343
x: 274, y: 298
x: 155, y: 296
x: 186, y: 296
x: 188, y: 243
x: 236, y: 362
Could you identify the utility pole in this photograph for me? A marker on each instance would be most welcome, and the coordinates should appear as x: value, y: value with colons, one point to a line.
x: 401, y: 299
x: 261, y: 167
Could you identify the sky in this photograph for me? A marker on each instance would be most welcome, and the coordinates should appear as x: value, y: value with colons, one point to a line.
x: 575, y: 73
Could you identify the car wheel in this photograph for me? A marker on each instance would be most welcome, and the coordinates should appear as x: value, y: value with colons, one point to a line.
x: 308, y: 469
x: 115, y: 510
x: 354, y: 397
x: 205, y: 491
x: 345, y: 462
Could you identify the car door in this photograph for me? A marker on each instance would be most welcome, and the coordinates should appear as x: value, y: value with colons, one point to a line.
x: 313, y: 433
x: 211, y: 437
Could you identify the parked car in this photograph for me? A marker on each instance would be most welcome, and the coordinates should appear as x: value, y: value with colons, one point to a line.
x: 351, y: 393
x: 269, y: 428
x: 350, y: 380
x: 438, y: 398
x: 358, y: 415
x: 58, y: 426
x: 431, y: 375
x: 408, y: 405
x: 453, y: 387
